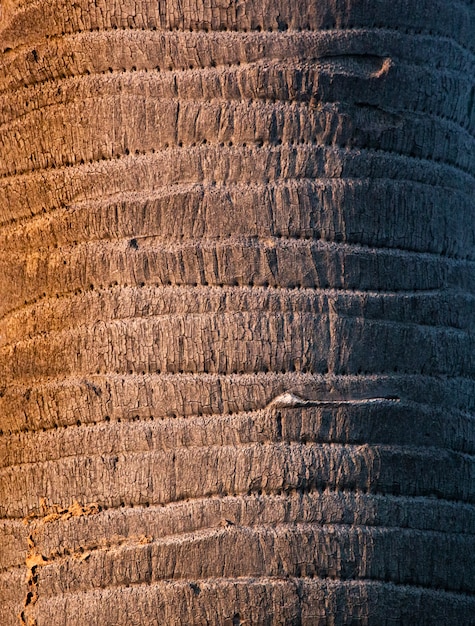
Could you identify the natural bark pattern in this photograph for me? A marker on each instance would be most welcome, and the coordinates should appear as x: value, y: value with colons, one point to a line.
x: 193, y: 223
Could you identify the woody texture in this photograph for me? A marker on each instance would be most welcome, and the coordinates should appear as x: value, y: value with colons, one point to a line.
x: 237, y: 313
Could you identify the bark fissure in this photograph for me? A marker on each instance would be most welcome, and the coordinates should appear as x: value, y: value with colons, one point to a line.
x: 35, y: 559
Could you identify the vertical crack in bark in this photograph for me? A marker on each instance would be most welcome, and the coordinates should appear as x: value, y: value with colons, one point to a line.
x: 34, y: 558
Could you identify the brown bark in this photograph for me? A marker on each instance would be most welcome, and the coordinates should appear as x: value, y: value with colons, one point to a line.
x: 236, y: 325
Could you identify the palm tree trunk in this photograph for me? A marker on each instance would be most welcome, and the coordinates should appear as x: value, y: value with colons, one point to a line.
x: 236, y: 326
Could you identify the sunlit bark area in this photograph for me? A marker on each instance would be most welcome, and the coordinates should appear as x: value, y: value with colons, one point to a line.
x: 237, y: 278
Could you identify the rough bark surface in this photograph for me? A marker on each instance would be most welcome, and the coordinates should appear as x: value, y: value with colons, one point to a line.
x: 237, y: 254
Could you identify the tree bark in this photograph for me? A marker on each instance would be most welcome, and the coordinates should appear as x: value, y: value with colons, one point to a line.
x: 236, y: 327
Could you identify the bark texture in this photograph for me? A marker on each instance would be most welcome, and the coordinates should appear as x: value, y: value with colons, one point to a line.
x: 237, y: 317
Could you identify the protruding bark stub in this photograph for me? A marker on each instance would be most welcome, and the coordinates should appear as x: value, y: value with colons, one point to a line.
x: 236, y: 253
x: 291, y: 400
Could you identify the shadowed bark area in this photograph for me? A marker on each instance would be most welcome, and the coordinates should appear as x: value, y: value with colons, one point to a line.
x: 237, y: 278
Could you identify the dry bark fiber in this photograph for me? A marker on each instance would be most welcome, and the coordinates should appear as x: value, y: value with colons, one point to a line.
x: 237, y: 313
